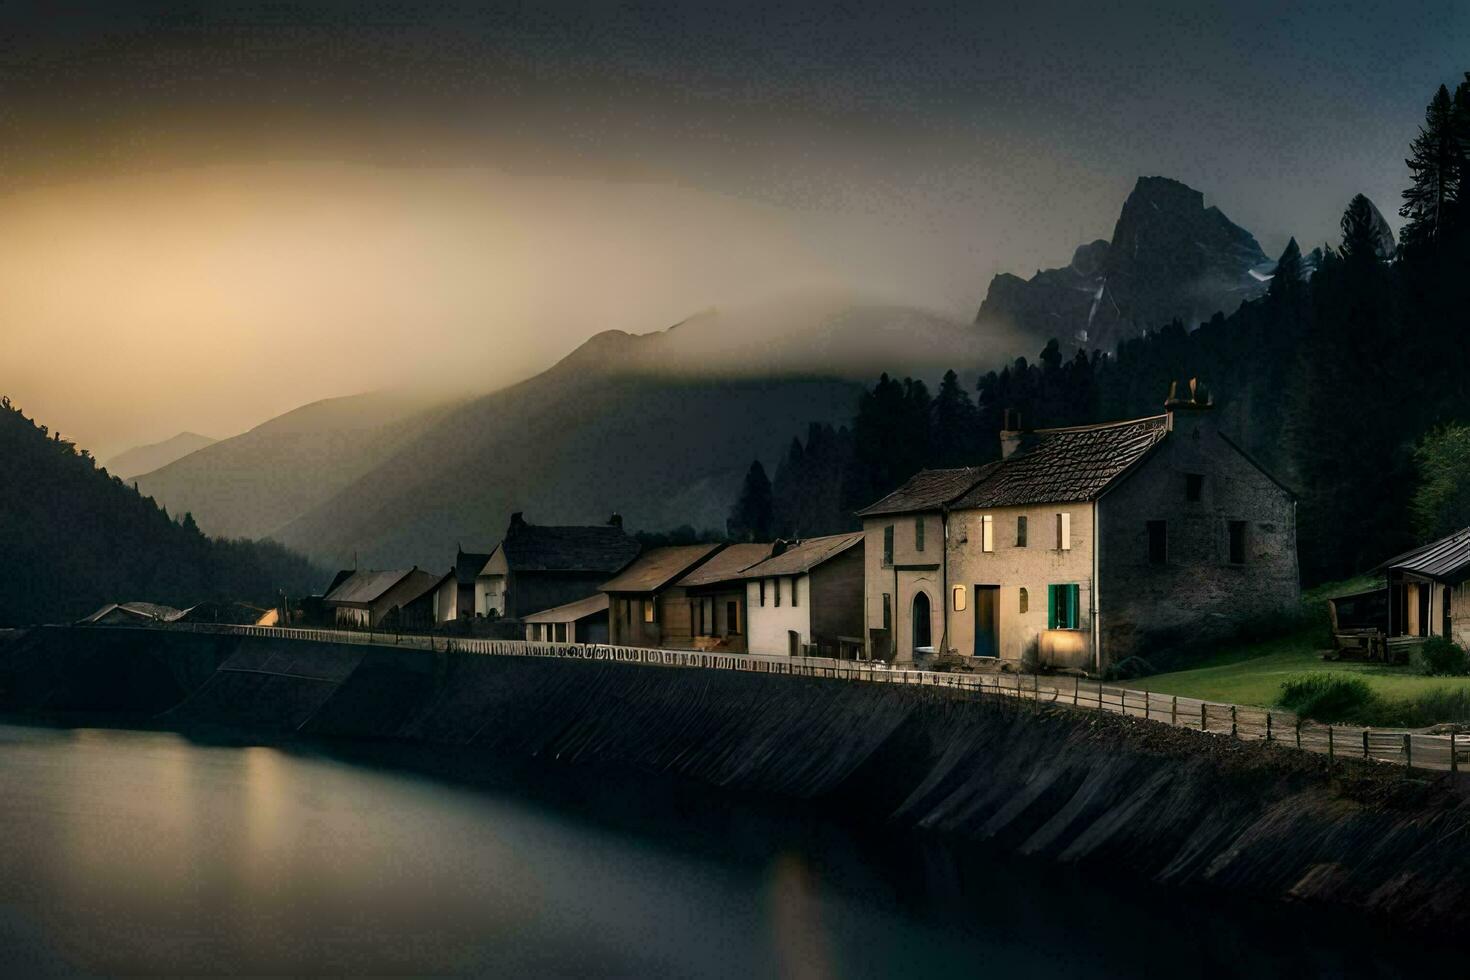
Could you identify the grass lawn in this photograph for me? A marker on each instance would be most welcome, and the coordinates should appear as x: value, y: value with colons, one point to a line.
x: 1252, y: 672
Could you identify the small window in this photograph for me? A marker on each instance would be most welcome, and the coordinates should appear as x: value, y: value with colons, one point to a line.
x: 763, y: 591
x: 1025, y: 598
x: 794, y: 601
x: 650, y: 614
x: 888, y: 545
x: 1194, y: 485
x: 776, y: 591
x: 1064, y: 532
x: 919, y: 533
x: 732, y: 618
x: 707, y: 616
x: 987, y: 533
x: 959, y: 598
x: 1158, y: 542
x: 1237, y: 542
x: 561, y: 632
x: 887, y: 611
x: 1021, y: 531
x: 1061, y: 607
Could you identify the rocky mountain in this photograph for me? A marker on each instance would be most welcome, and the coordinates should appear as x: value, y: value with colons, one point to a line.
x: 1170, y: 256
x: 145, y: 459
x: 252, y: 484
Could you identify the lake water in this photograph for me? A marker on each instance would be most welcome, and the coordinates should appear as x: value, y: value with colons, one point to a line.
x: 129, y: 852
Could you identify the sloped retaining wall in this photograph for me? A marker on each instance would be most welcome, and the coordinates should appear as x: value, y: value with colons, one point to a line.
x: 1100, y: 790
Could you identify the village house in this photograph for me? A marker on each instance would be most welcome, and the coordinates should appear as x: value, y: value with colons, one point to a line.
x: 1426, y: 592
x: 132, y: 614
x: 540, y: 566
x: 399, y: 598
x: 1082, y: 546
x: 580, y: 621
x: 454, y: 599
x: 807, y: 600
x: 715, y: 594
x: 638, y: 614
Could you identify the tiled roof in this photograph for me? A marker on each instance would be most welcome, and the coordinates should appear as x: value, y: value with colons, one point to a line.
x: 657, y: 568
x: 805, y: 555
x: 366, y: 586
x: 467, y: 565
x: 571, y: 611
x: 928, y: 490
x: 728, y: 564
x: 1063, y: 465
x: 552, y: 548
x: 1447, y: 558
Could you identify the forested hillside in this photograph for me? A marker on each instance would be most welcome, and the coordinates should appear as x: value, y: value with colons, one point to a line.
x: 73, y: 538
x: 1350, y: 379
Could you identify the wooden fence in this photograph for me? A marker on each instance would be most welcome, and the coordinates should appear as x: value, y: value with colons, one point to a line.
x: 1416, y: 750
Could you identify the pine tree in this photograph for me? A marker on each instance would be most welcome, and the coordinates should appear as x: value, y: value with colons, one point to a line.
x: 1359, y: 232
x: 1286, y: 283
x: 750, y: 520
x: 956, y: 425
x: 1434, y: 167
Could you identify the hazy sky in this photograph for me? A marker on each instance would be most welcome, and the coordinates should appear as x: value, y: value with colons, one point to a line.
x: 215, y: 212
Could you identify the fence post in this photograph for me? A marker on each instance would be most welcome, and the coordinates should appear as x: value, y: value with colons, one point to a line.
x: 1331, y: 749
x: 1076, y: 686
x: 1174, y: 711
x: 1454, y: 763
x: 1268, y: 726
x: 1099, y: 696
x: 1036, y: 688
x: 1233, y: 733
x: 1204, y: 717
x: 1146, y: 700
x: 1365, y: 744
x: 1298, y: 733
x: 1408, y: 751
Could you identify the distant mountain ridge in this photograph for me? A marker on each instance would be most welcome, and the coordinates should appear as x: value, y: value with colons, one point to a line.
x: 145, y: 459
x: 1169, y: 257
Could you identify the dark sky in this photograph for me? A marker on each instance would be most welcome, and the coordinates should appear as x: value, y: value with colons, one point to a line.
x: 918, y: 148
x: 1028, y: 118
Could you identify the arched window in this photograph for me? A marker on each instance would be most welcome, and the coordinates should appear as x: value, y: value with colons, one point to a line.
x: 1025, y: 600
x: 923, y: 634
x: 959, y: 598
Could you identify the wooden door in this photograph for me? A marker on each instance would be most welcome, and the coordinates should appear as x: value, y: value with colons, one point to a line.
x: 987, y: 620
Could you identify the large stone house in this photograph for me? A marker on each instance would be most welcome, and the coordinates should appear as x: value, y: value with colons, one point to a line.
x: 539, y: 566
x: 1082, y: 546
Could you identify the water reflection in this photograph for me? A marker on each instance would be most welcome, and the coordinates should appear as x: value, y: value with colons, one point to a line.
x: 128, y: 852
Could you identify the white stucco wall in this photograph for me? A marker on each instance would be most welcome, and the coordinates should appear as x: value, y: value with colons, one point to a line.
x: 769, y: 624
x: 446, y: 601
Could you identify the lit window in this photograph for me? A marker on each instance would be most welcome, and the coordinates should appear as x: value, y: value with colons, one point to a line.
x: 987, y: 533
x: 649, y: 615
x: 1064, y: 532
x: 1025, y: 600
x: 959, y: 598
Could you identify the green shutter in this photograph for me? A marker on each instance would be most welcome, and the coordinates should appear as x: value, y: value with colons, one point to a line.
x: 1072, y: 603
x: 1051, y: 607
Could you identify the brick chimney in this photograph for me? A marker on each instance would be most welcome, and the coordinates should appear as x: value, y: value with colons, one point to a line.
x: 1011, y: 433
x: 1186, y: 413
x: 517, y: 520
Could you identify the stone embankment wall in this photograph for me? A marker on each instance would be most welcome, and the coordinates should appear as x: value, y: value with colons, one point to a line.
x: 1119, y: 794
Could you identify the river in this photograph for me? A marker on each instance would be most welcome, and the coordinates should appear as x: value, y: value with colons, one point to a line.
x: 148, y: 852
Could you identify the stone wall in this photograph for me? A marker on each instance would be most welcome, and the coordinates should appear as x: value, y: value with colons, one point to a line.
x: 1197, y: 592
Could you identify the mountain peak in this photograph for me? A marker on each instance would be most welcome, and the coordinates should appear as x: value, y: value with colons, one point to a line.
x: 1169, y: 257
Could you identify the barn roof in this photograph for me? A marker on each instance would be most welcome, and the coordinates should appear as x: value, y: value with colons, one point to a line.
x: 467, y: 565
x: 362, y: 588
x: 805, y: 555
x: 728, y: 564
x: 567, y: 548
x: 571, y: 611
x: 657, y: 568
x: 1063, y: 465
x: 1447, y: 558
x: 138, y: 610
x: 928, y: 490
